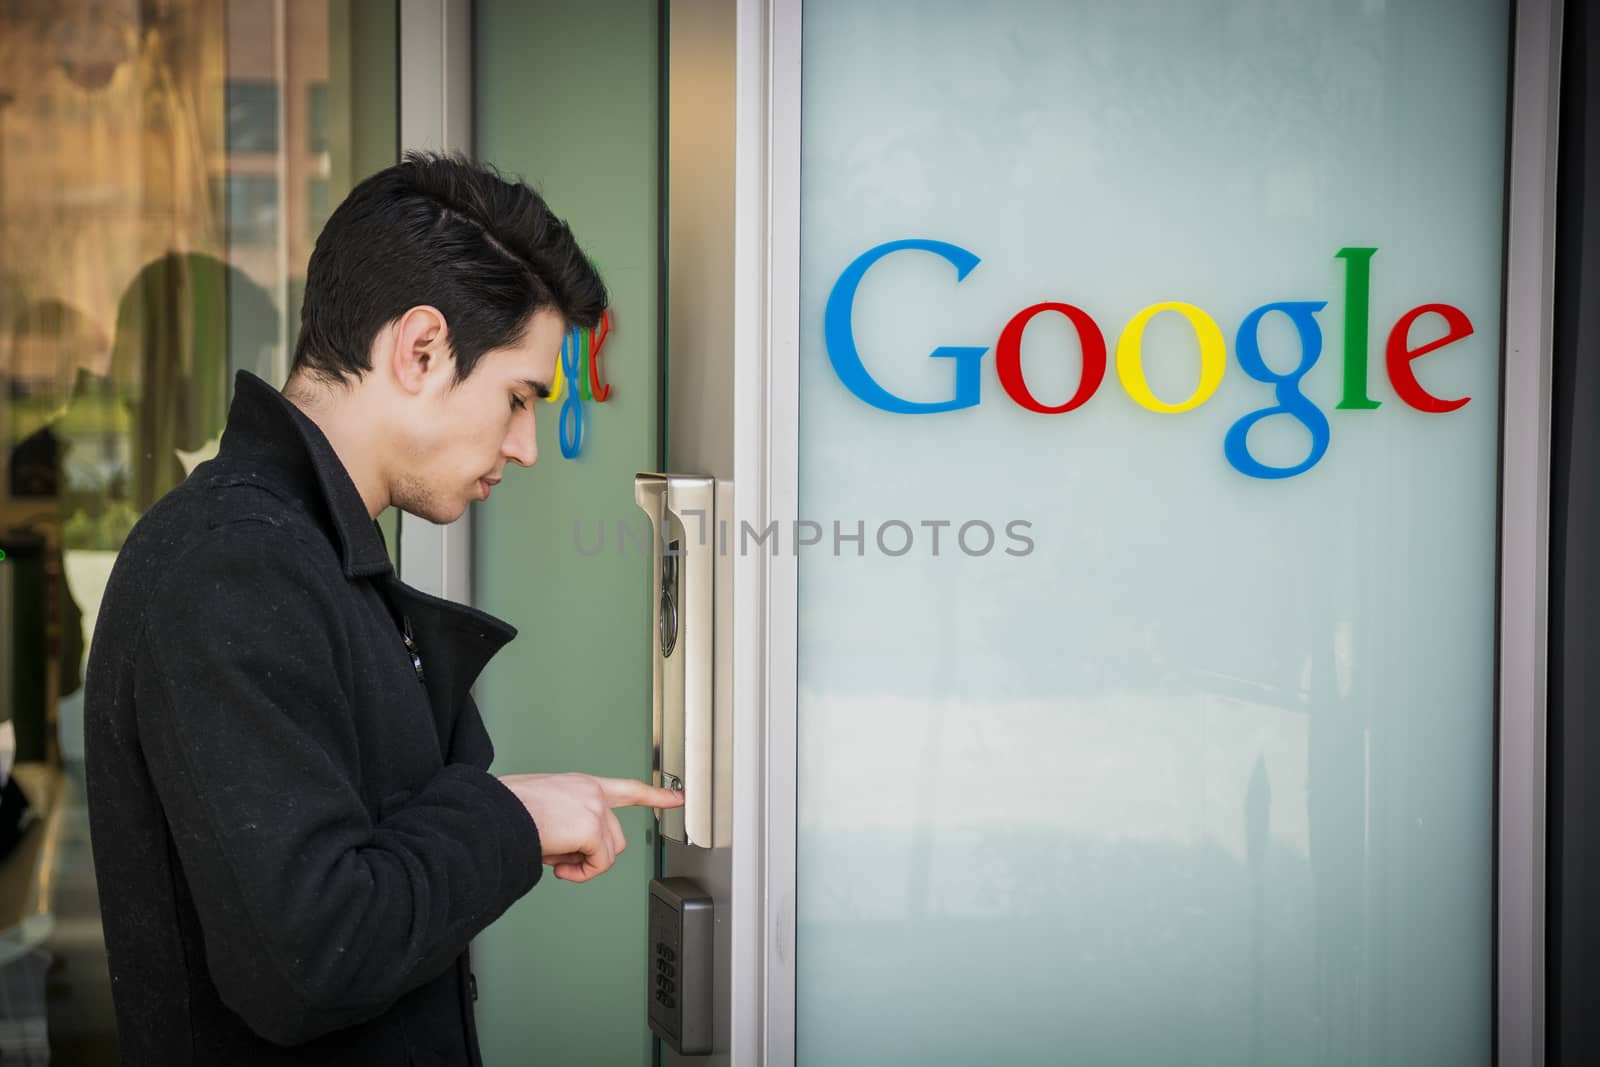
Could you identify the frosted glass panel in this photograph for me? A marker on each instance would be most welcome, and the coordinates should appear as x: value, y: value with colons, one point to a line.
x: 1149, y: 718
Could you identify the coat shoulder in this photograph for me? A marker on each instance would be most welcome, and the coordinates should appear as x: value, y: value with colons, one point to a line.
x: 220, y: 514
x: 210, y: 538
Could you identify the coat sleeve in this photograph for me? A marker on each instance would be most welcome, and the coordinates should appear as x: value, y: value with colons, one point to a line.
x: 315, y: 916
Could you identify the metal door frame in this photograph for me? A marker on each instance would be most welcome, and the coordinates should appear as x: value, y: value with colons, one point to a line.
x: 436, y: 77
x: 1523, y: 643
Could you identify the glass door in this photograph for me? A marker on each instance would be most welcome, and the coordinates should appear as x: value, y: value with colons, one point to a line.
x: 165, y: 169
x: 1149, y: 363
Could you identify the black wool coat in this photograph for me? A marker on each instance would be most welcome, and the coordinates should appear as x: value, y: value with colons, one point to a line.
x: 295, y: 834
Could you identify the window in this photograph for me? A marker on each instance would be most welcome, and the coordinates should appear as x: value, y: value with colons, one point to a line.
x: 252, y: 117
x: 146, y: 159
x: 317, y: 118
x: 252, y: 207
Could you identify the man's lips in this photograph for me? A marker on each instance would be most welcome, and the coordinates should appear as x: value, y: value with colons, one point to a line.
x: 487, y: 484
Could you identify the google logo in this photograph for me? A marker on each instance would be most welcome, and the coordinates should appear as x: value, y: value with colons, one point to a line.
x: 1399, y: 354
x: 577, y: 379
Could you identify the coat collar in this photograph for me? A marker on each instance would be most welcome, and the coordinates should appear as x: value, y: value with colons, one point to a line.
x: 264, y: 427
x: 266, y: 432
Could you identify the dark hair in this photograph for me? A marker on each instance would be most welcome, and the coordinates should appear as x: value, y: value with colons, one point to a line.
x: 451, y: 233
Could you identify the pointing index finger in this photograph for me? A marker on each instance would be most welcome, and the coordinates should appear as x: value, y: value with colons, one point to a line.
x: 629, y: 792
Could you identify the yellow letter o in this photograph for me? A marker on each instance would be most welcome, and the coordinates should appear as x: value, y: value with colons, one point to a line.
x: 1130, y: 357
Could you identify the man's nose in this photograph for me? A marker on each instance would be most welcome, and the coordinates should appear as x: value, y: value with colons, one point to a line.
x: 522, y: 443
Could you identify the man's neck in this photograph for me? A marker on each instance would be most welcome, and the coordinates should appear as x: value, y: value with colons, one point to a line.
x: 340, y: 413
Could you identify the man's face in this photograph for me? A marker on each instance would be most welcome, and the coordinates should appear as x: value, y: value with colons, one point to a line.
x: 467, y: 432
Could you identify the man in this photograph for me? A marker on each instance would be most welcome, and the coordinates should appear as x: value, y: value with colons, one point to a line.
x: 294, y: 830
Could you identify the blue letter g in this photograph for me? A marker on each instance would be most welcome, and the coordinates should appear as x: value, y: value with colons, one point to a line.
x: 1291, y: 401
x: 841, y: 341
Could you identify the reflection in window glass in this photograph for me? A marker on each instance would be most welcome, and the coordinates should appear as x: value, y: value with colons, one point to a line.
x: 317, y: 118
x: 252, y: 117
x: 252, y: 210
x: 158, y: 205
x: 319, y: 205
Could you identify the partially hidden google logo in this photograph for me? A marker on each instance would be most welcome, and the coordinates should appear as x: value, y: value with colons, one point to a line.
x: 1398, y: 355
x: 577, y: 380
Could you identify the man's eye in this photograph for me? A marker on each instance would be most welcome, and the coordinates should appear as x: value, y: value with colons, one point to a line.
x: 517, y: 403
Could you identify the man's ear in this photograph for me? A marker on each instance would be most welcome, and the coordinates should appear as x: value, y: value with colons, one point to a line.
x: 421, y: 357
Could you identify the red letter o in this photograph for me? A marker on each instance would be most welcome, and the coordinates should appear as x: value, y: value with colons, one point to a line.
x: 1008, y: 357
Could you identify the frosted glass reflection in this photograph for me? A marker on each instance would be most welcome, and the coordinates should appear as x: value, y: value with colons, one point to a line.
x: 1204, y: 777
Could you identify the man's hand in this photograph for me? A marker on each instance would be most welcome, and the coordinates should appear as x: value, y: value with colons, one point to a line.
x: 578, y: 831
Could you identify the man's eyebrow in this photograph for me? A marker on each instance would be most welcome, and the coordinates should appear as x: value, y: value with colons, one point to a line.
x: 539, y: 389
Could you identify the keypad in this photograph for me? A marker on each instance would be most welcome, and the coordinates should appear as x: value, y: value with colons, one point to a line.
x: 666, y: 975
x: 679, y: 1006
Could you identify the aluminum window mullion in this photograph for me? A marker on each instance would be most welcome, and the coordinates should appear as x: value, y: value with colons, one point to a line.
x: 782, y: 473
x: 1525, y: 537
x: 435, y: 65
